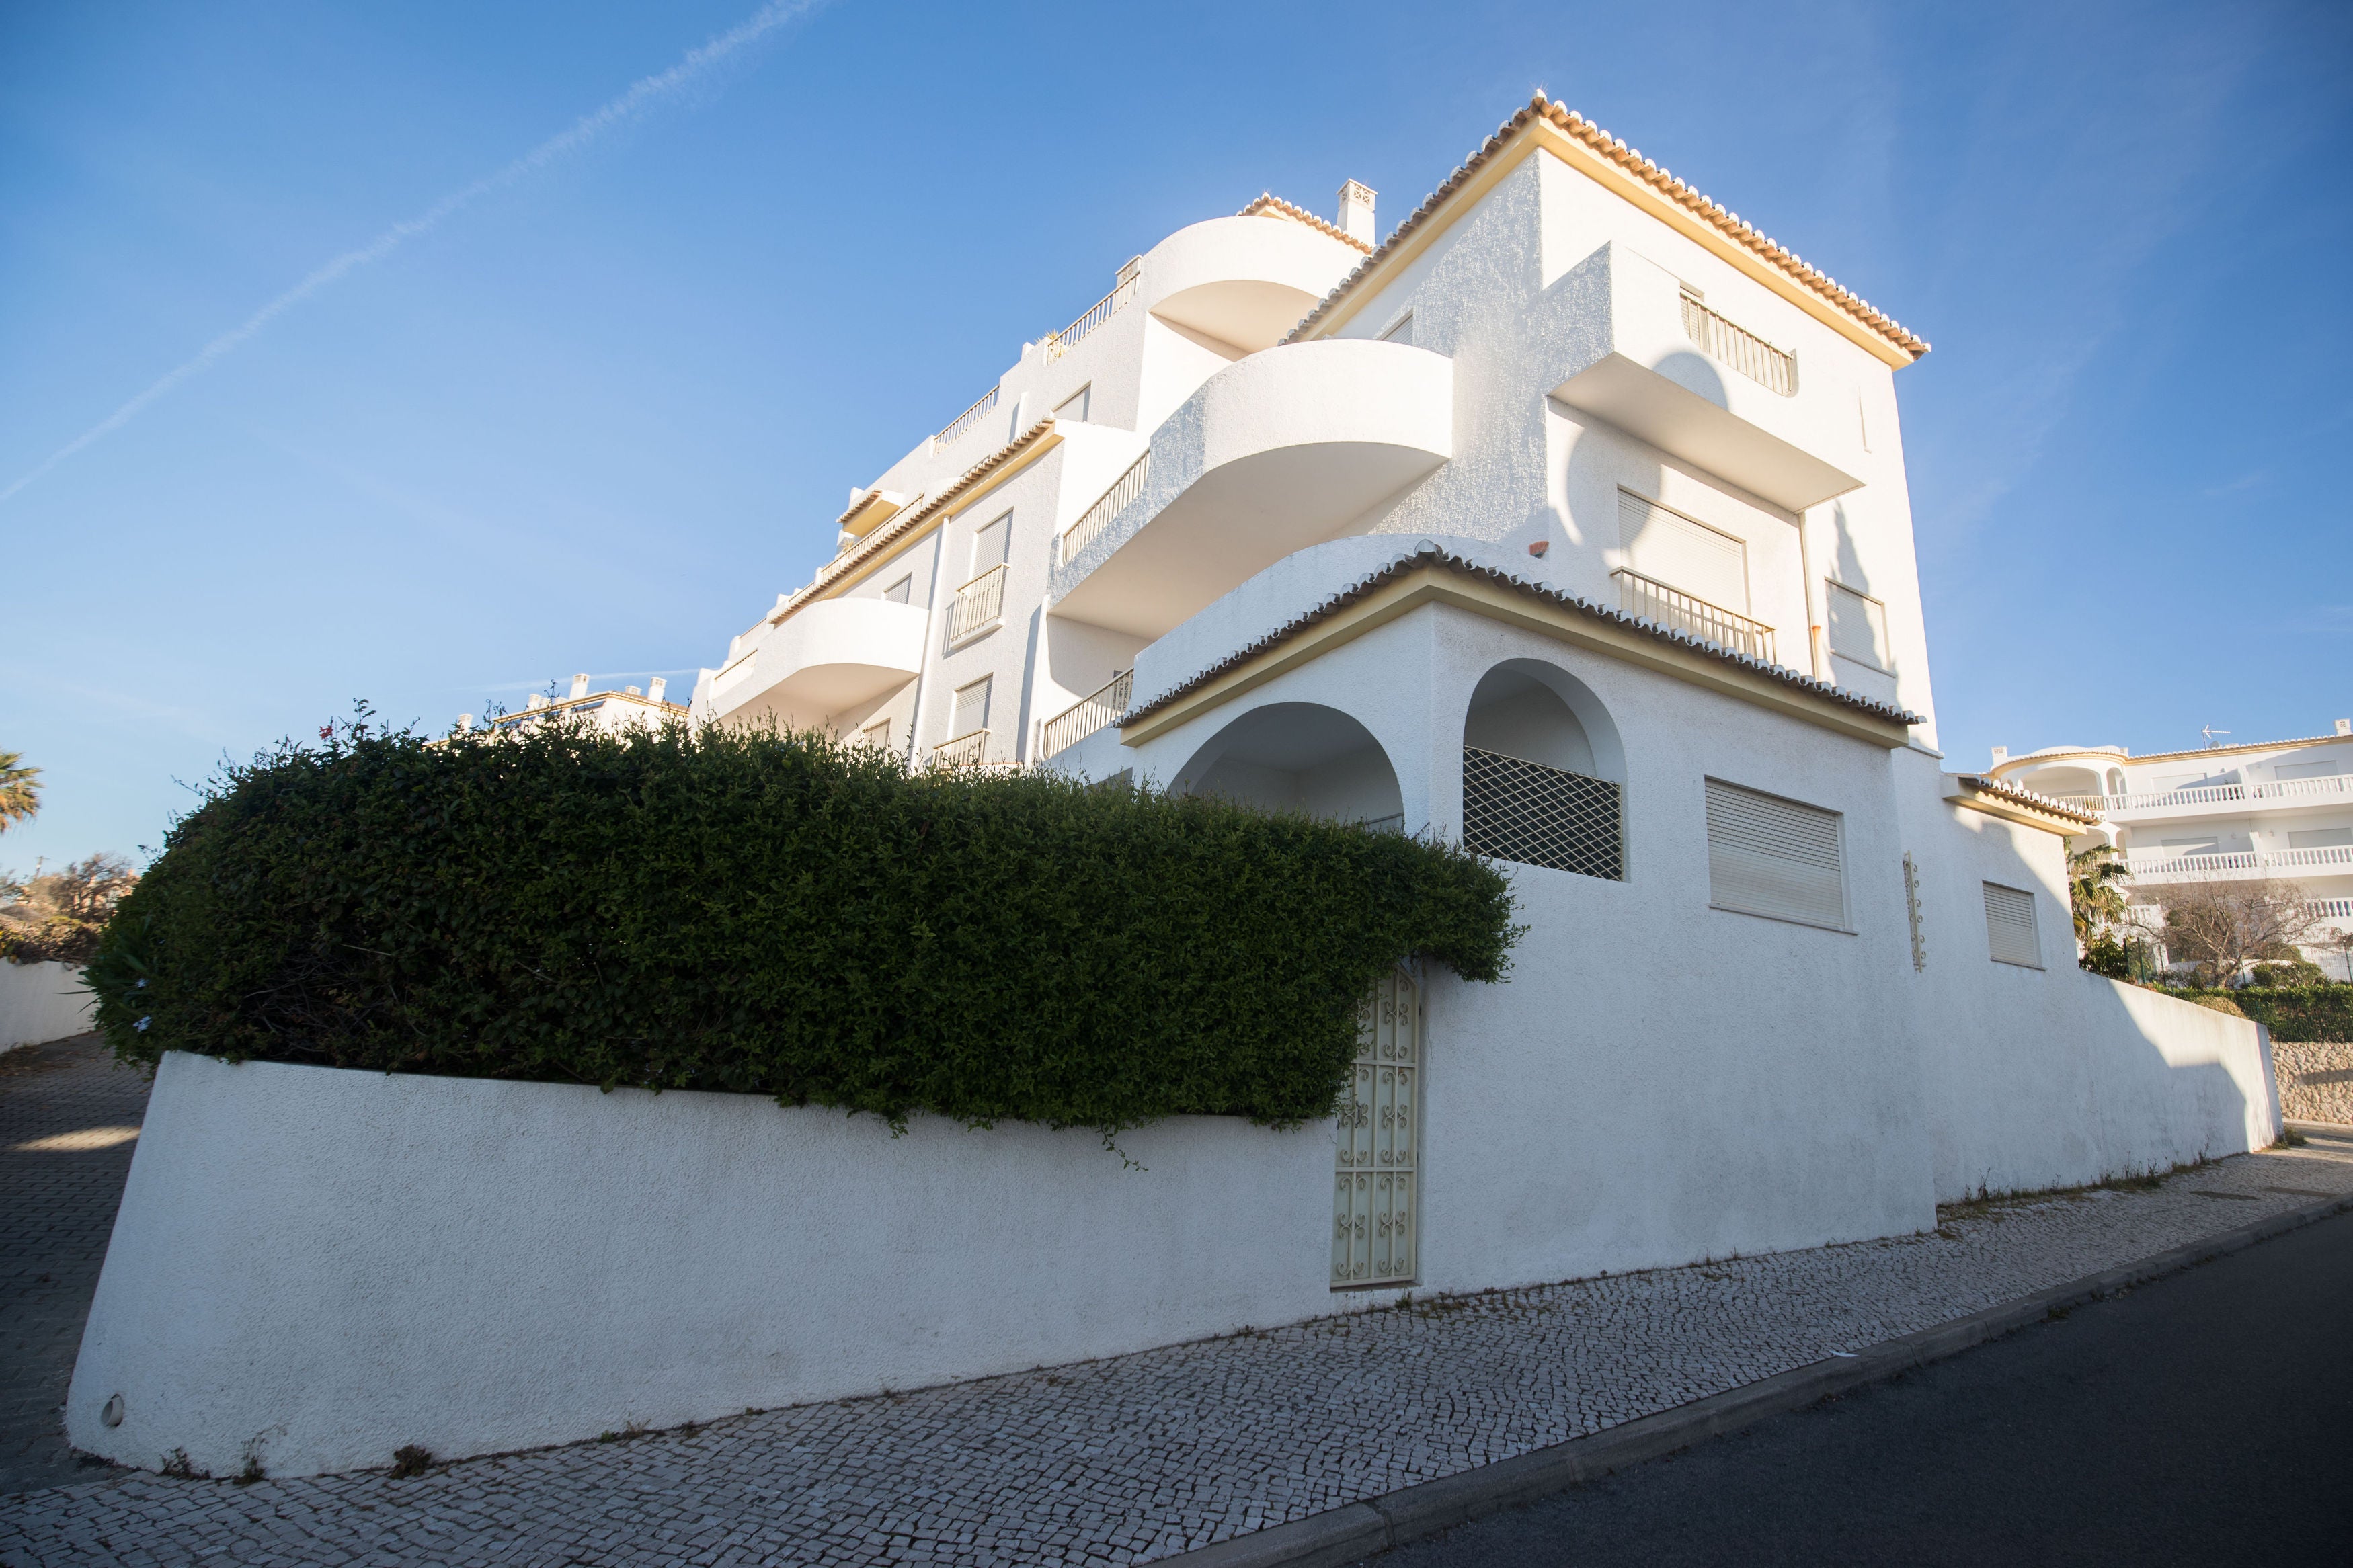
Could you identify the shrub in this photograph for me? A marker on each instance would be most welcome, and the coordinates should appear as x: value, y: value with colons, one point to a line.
x: 58, y: 918
x: 777, y: 914
x: 2301, y: 1013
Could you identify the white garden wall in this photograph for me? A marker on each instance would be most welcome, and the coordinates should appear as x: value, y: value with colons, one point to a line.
x: 331, y: 1264
x: 41, y: 1002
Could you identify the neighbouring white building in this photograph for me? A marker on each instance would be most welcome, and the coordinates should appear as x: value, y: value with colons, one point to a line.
x: 1568, y: 521
x: 607, y: 712
x: 2276, y: 810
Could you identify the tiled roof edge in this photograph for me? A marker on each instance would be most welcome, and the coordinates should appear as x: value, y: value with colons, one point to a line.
x: 1725, y: 221
x: 1267, y: 201
x: 2017, y: 796
x: 1413, y: 561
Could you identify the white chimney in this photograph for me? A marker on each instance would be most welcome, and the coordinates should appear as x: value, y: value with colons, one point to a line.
x: 660, y: 685
x: 633, y: 692
x: 465, y: 724
x: 2345, y: 726
x: 1356, y: 213
x: 2000, y: 756
x: 579, y: 686
x: 538, y: 700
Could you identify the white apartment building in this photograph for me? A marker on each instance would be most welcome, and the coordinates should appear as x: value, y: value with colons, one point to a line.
x: 2276, y: 810
x: 607, y: 712
x: 1568, y: 521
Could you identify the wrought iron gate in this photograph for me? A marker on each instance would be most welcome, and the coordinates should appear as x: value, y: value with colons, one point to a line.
x: 1374, y: 1195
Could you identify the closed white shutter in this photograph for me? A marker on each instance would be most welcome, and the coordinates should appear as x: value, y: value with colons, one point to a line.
x: 1669, y: 547
x: 1074, y: 408
x: 992, y: 545
x: 1858, y: 626
x: 2009, y: 926
x: 971, y: 711
x: 1767, y: 856
x: 2304, y: 770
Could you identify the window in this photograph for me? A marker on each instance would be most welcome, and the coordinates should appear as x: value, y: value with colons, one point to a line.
x: 1400, y: 331
x: 2206, y: 845
x: 2304, y: 770
x: 971, y: 709
x: 1776, y: 858
x: 1858, y: 626
x: 2009, y: 926
x: 1668, y: 547
x: 902, y: 591
x: 1074, y: 408
x: 992, y: 544
x: 2320, y: 837
x: 878, y: 733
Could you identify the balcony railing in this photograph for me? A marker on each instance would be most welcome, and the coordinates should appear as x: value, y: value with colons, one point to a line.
x: 1744, y: 350
x: 1096, y: 517
x: 2156, y: 864
x: 963, y: 751
x: 967, y: 419
x: 1086, y: 716
x: 977, y: 605
x: 2333, y: 784
x: 1057, y: 344
x: 1678, y: 610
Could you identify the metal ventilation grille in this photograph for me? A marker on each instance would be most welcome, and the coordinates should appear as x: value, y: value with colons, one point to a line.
x: 1536, y: 815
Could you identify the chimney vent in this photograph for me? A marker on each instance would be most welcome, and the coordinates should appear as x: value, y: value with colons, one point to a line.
x: 2000, y: 756
x: 465, y: 724
x: 538, y: 700
x: 1357, y: 212
x: 579, y: 686
x: 633, y: 692
x: 660, y: 685
x: 2345, y: 726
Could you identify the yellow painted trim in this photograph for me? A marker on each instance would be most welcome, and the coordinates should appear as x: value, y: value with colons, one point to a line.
x: 1439, y: 585
x: 1541, y: 132
x: 2011, y: 811
x: 962, y: 504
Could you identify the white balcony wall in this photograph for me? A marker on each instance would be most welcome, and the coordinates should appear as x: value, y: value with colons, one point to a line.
x: 829, y: 657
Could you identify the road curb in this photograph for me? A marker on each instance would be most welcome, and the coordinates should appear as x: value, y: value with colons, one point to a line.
x: 1360, y: 1530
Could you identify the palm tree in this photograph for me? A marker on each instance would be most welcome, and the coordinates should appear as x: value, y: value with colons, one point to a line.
x: 2096, y: 877
x: 19, y: 795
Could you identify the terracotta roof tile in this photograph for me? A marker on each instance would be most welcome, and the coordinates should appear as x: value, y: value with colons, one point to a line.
x: 1269, y: 202
x: 2019, y: 796
x: 1727, y: 223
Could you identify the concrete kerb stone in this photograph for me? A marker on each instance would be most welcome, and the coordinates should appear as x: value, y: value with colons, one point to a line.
x: 1362, y: 1529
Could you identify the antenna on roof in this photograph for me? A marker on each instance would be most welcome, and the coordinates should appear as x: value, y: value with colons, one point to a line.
x: 2209, y: 732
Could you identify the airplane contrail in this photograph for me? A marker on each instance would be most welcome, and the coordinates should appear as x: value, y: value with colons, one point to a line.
x: 588, y: 128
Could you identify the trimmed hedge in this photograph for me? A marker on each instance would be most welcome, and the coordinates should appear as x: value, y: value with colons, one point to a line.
x: 777, y: 914
x: 2293, y: 1013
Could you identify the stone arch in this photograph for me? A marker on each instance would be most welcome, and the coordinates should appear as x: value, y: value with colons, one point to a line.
x: 1539, y: 712
x: 1300, y: 757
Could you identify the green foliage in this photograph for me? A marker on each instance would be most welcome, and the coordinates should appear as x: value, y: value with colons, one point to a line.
x: 777, y: 914
x: 2300, y: 1014
x: 2290, y: 971
x: 2109, y: 955
x: 58, y: 917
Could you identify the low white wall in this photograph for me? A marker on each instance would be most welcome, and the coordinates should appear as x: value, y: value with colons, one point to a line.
x: 41, y: 1002
x: 2056, y: 1076
x: 332, y: 1264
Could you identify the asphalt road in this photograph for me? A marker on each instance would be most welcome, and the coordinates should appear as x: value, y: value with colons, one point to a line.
x: 2204, y: 1419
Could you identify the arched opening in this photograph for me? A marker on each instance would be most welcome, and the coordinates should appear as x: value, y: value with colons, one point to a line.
x: 1299, y: 757
x: 1541, y: 772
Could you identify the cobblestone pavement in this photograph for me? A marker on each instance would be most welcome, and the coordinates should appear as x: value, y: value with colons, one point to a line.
x: 68, y: 1119
x: 1147, y: 1455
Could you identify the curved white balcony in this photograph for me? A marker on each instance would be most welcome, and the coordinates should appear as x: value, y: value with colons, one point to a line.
x: 1275, y: 453
x: 1243, y: 281
x: 832, y: 655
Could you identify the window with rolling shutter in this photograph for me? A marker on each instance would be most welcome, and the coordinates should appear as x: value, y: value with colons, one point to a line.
x: 1858, y: 628
x: 2009, y: 926
x: 971, y: 709
x: 1776, y: 858
x: 1668, y: 547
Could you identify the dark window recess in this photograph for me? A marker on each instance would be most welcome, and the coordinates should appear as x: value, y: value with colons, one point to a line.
x: 1536, y: 815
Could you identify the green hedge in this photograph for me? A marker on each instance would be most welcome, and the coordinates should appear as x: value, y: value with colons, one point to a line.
x: 777, y: 914
x: 2305, y: 1012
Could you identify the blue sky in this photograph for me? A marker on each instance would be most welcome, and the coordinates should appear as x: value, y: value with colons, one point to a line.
x: 599, y: 412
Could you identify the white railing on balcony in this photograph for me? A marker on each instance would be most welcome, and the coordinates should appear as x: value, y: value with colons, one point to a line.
x: 1744, y: 350
x: 967, y: 419
x: 1096, y: 517
x: 2156, y: 864
x: 1678, y: 610
x: 2335, y: 784
x: 978, y: 604
x: 1086, y: 716
x: 1057, y: 344
x: 963, y: 751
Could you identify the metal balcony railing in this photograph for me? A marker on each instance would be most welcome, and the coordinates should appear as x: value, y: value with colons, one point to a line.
x: 977, y: 605
x: 963, y: 751
x: 1773, y: 369
x: 1110, y: 504
x: 1057, y: 344
x: 1086, y: 716
x: 1678, y: 610
x: 967, y: 419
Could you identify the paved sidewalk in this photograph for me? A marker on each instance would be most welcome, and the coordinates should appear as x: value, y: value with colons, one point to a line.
x: 1148, y: 1455
x: 68, y: 1120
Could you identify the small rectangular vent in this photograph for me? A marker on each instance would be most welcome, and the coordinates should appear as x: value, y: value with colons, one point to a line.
x: 1539, y: 815
x: 2011, y: 931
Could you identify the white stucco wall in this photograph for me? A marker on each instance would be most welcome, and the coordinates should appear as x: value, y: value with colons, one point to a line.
x: 41, y: 1002
x: 339, y: 1263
